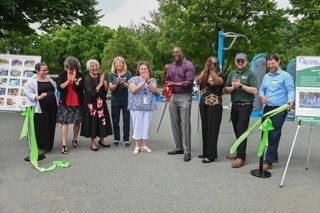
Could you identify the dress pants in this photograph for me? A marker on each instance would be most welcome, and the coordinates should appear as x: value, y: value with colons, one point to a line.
x: 240, y: 117
x: 274, y: 135
x: 116, y: 107
x: 180, y: 115
x: 210, y: 124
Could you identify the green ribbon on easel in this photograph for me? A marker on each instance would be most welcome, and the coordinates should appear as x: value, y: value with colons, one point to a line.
x: 266, y: 126
x: 28, y: 126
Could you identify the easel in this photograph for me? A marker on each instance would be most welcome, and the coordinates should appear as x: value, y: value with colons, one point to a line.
x: 293, y: 143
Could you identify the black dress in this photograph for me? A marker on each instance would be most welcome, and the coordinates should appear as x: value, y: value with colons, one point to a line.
x: 95, y: 119
x: 45, y: 122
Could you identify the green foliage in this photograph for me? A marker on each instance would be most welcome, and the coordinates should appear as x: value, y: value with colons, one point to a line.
x: 128, y: 46
x: 194, y: 26
x: 158, y: 76
x: 79, y: 41
x: 149, y: 36
x: 307, y: 14
x: 16, y: 15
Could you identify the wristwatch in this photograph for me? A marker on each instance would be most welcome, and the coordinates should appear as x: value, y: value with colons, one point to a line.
x: 240, y: 86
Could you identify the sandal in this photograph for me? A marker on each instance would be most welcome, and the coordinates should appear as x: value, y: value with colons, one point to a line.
x: 64, y: 149
x: 136, y: 150
x: 75, y: 144
x: 146, y: 149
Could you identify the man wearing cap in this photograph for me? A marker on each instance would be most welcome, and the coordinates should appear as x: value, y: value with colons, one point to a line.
x: 242, y: 84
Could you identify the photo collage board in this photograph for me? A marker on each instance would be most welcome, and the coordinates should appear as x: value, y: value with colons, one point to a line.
x: 15, y: 70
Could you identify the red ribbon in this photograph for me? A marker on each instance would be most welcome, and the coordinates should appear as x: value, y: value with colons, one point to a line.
x: 167, y: 91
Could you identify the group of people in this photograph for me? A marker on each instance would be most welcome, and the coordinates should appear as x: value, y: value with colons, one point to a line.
x: 277, y: 89
x: 82, y: 102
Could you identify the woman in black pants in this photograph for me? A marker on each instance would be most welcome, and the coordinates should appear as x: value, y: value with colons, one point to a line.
x: 211, y: 82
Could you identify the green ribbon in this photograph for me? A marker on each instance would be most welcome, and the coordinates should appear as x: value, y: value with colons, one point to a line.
x: 266, y: 126
x: 28, y: 126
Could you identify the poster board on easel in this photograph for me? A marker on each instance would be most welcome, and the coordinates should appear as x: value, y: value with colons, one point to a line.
x: 15, y: 70
x: 308, y: 89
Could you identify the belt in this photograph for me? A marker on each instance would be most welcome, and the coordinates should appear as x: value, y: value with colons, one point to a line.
x: 241, y: 103
x: 271, y: 107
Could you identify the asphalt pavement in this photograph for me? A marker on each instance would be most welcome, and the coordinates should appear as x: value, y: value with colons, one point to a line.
x: 115, y: 180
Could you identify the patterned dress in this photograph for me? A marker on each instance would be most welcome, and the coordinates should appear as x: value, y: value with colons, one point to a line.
x: 96, y: 119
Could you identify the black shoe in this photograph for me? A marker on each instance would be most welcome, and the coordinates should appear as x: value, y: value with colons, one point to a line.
x: 201, y: 156
x: 40, y: 157
x: 45, y: 151
x: 126, y: 144
x: 176, y: 152
x: 95, y: 149
x: 102, y: 144
x: 187, y: 157
x: 207, y: 160
x: 116, y: 143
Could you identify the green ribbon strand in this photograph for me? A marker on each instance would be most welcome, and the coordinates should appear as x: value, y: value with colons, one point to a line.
x: 28, y: 126
x: 265, y: 127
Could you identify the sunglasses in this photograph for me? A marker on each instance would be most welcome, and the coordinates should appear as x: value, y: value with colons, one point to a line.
x: 240, y: 61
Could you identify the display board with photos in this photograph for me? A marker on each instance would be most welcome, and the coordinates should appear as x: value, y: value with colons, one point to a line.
x: 15, y: 70
x: 307, y: 107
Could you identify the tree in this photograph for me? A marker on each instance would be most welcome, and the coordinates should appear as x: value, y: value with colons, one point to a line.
x: 307, y: 16
x: 128, y: 46
x: 194, y: 25
x: 17, y: 15
x: 150, y: 36
x: 81, y: 42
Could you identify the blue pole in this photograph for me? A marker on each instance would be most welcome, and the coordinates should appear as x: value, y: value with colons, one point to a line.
x: 220, y: 49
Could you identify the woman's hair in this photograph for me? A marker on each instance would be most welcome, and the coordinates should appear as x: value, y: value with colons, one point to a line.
x: 143, y: 63
x: 217, y: 70
x: 113, y: 68
x: 38, y: 66
x: 72, y: 62
x: 91, y: 61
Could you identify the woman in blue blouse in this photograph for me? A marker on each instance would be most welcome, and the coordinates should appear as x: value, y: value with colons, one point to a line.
x: 141, y: 104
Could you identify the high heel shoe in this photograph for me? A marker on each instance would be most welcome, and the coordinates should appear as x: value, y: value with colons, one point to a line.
x: 64, y: 149
x: 75, y: 144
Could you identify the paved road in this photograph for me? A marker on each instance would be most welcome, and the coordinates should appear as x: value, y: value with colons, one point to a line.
x: 115, y: 180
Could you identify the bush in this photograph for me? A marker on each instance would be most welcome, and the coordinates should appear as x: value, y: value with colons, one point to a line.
x: 158, y: 76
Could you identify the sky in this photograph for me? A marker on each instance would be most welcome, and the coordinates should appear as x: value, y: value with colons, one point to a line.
x: 123, y: 12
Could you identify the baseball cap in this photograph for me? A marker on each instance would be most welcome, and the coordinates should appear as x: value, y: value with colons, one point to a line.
x: 241, y: 56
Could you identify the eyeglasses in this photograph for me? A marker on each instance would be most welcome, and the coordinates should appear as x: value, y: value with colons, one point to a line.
x: 215, y: 63
x: 240, y: 61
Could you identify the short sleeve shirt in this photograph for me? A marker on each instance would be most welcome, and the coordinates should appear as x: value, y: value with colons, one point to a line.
x: 144, y: 99
x: 246, y: 77
x: 120, y: 93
